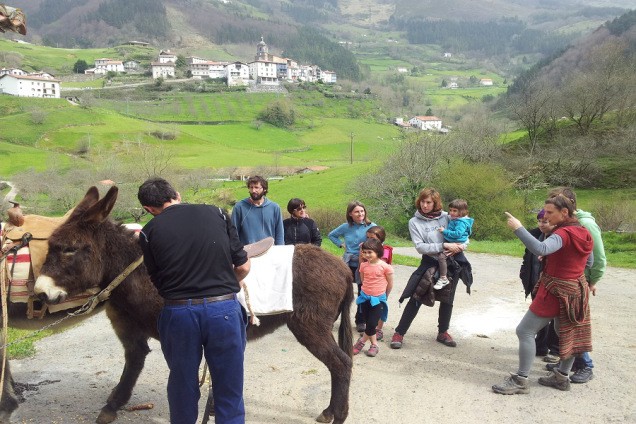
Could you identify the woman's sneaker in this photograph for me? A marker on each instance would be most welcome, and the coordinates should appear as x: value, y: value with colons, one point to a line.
x: 372, y: 351
x: 357, y: 348
x: 441, y: 283
x: 446, y: 339
x: 396, y: 340
x: 513, y: 385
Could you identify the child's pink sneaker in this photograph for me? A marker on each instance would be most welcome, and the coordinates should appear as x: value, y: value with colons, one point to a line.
x: 357, y: 348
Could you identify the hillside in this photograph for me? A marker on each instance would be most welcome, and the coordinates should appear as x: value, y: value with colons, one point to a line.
x: 187, y: 23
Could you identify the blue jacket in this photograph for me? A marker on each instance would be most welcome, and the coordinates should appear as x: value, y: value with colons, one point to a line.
x: 458, y: 229
x: 375, y: 300
x: 254, y: 223
x: 352, y: 235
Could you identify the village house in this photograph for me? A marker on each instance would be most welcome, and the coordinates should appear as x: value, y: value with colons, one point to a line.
x: 29, y: 86
x: 485, y: 81
x: 12, y: 71
x: 237, y: 73
x: 105, y: 65
x: 426, y: 123
x: 328, y: 77
x: 162, y: 70
x: 166, y: 56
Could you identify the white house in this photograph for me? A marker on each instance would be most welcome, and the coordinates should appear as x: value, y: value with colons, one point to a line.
x: 264, y: 72
x: 447, y: 54
x: 166, y: 56
x: 485, y: 81
x: 426, y: 123
x: 29, y: 86
x: 162, y: 70
x: 12, y: 71
x: 402, y: 70
x: 108, y: 66
x: 328, y: 77
x: 237, y: 73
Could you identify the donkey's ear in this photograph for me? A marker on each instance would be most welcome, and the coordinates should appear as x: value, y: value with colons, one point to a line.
x: 90, y: 198
x: 100, y: 210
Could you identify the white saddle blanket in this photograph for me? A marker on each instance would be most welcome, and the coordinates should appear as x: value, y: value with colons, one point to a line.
x: 269, y: 282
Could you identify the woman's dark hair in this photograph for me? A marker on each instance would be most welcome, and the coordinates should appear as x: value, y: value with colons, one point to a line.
x: 351, y: 206
x: 294, y: 204
x: 156, y: 192
x: 565, y: 191
x: 434, y: 195
x: 375, y: 245
x: 379, y: 232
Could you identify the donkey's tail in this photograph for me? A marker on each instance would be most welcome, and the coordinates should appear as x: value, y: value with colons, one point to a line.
x: 345, y: 335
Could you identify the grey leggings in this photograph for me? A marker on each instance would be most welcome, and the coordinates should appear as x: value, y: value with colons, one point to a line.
x: 526, y: 330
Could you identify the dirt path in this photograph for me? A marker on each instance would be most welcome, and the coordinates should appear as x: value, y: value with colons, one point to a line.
x: 73, y: 372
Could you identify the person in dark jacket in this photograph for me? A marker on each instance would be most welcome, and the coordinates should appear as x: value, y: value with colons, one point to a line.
x: 299, y: 228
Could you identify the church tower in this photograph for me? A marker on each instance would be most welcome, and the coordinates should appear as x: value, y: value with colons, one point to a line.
x: 262, y: 52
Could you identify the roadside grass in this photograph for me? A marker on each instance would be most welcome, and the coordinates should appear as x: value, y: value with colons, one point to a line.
x: 23, y: 348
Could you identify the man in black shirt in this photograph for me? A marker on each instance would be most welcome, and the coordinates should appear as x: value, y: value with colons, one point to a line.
x: 196, y: 260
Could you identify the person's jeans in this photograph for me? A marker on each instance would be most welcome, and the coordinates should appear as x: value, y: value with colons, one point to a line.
x: 583, y: 361
x: 216, y: 329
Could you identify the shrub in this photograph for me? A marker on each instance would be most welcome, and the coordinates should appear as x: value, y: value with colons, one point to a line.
x: 613, y: 216
x: 327, y: 219
x: 279, y: 113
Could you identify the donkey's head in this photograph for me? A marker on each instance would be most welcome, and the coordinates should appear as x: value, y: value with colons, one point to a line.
x: 77, y: 259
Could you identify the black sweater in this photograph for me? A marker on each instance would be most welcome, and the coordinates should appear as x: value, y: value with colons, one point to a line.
x: 303, y: 230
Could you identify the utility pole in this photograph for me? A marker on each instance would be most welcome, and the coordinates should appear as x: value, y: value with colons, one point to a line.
x: 351, y: 153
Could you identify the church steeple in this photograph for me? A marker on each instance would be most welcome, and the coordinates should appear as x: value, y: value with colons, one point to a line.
x: 262, y: 51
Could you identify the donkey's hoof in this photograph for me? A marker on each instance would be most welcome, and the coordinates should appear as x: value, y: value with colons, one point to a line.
x: 107, y: 415
x: 324, y: 418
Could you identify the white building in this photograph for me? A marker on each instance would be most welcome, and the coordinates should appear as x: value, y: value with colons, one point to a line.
x: 328, y: 77
x: 485, y: 82
x: 166, y: 56
x: 264, y: 72
x: 108, y: 66
x: 29, y: 86
x: 162, y: 70
x: 426, y: 123
x: 12, y: 71
x: 131, y: 66
x: 237, y: 73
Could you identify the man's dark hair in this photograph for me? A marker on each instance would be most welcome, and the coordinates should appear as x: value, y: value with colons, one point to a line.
x: 156, y: 192
x: 257, y: 179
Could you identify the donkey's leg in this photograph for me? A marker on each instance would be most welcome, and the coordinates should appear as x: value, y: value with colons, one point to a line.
x: 317, y: 338
x: 135, y: 344
x: 9, y: 401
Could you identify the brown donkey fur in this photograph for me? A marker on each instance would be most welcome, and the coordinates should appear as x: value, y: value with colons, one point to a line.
x: 90, y: 250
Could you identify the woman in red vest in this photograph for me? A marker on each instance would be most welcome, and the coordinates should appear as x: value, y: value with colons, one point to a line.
x: 562, y: 294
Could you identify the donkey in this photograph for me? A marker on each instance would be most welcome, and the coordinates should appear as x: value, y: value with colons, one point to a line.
x: 90, y: 250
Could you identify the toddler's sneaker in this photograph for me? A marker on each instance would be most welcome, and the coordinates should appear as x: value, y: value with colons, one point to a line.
x: 372, y: 351
x: 441, y: 283
x: 357, y: 348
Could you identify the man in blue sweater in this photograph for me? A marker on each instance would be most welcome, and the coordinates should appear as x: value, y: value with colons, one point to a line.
x: 257, y: 217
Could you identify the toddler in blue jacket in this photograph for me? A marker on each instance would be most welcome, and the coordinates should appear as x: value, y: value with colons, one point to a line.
x: 459, y: 229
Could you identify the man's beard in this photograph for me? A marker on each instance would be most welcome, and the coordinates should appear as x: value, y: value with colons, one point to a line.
x: 256, y: 197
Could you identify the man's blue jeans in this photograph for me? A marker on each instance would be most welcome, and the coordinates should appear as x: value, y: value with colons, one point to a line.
x: 217, y: 330
x: 584, y: 361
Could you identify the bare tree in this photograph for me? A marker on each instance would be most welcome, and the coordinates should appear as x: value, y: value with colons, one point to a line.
x: 532, y: 107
